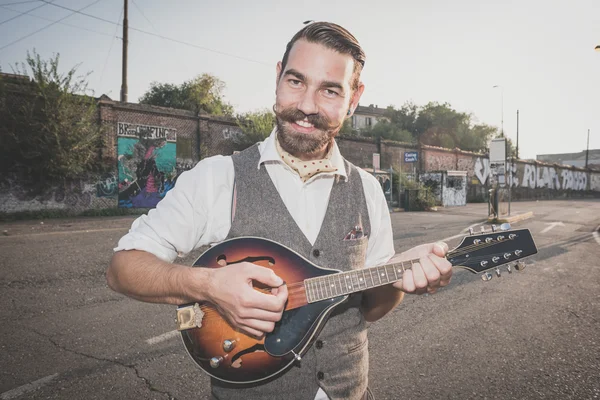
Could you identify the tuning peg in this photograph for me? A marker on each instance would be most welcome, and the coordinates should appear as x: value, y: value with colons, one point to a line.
x: 493, y: 228
x: 486, y: 277
x: 497, y: 272
x: 509, y: 269
x: 471, y: 231
x: 520, y: 266
x: 505, y: 226
x: 483, y: 229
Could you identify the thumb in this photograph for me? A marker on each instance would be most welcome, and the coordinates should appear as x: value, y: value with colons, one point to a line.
x: 439, y: 249
x: 265, y: 275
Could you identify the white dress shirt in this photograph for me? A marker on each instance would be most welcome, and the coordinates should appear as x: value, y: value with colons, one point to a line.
x: 197, y: 211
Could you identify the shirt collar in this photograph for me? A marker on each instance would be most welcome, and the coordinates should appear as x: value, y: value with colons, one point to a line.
x: 269, y: 154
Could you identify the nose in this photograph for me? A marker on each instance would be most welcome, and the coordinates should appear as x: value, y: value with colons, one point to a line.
x: 307, y: 103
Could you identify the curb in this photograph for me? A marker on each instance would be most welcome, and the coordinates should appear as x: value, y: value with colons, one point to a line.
x: 512, y: 219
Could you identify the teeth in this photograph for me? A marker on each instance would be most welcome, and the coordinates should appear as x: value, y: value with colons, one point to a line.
x: 304, y: 124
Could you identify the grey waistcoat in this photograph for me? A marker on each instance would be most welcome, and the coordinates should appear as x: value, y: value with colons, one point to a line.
x: 339, y: 364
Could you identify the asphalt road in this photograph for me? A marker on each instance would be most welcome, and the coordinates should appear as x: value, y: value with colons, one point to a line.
x: 530, y: 335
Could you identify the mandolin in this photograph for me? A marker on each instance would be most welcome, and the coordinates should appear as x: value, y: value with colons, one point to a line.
x: 231, y: 356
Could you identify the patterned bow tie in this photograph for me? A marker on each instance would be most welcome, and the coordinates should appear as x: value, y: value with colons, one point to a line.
x: 306, y: 169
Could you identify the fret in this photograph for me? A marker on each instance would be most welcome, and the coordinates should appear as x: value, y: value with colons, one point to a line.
x: 320, y: 287
x: 332, y: 286
x: 403, y: 269
x: 395, y: 274
x: 309, y: 295
x: 386, y: 273
x: 364, y: 278
x: 379, y: 275
x: 324, y: 286
x: 348, y: 283
x: 339, y: 281
x: 371, y: 273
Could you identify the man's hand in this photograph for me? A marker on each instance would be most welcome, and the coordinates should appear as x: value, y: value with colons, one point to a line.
x: 230, y: 289
x: 430, y: 273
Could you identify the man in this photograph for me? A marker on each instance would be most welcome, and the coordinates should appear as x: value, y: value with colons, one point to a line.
x: 295, y: 188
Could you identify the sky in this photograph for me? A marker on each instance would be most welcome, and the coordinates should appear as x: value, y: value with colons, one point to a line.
x: 540, y: 56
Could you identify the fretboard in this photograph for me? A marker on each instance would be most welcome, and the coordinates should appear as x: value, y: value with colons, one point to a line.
x: 343, y: 283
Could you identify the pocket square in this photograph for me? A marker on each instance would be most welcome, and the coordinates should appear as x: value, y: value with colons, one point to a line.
x: 355, y: 233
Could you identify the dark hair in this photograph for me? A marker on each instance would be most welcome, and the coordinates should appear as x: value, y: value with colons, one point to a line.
x: 333, y: 37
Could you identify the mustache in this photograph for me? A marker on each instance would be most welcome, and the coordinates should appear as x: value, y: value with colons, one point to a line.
x: 292, y: 115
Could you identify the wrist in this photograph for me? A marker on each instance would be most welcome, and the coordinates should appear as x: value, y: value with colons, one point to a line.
x: 194, y: 283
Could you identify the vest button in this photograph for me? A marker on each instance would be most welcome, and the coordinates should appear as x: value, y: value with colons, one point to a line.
x: 316, y: 252
x: 319, y: 344
x: 320, y: 375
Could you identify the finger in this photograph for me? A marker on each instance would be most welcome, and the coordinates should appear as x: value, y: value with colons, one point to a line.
x: 263, y: 315
x: 431, y: 272
x: 258, y: 325
x: 263, y: 275
x: 267, y: 302
x: 440, y: 249
x: 408, y: 282
x: 443, y: 266
x: 419, y: 276
x: 251, y: 332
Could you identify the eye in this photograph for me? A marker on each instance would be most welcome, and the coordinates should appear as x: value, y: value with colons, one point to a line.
x: 294, y: 82
x: 330, y: 93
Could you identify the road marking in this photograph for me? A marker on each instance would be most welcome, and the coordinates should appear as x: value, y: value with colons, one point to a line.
x: 552, y: 225
x: 30, y: 387
x: 162, y: 338
x: 64, y: 232
x: 597, y: 235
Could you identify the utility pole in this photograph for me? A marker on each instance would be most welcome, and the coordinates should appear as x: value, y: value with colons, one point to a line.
x: 517, y: 134
x: 125, y: 44
x: 587, y: 149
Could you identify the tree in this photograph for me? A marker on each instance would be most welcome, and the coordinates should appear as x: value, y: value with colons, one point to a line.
x: 203, y: 93
x: 255, y: 127
x: 388, y: 130
x: 49, y: 127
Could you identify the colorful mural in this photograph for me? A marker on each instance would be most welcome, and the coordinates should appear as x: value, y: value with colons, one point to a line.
x: 146, y: 164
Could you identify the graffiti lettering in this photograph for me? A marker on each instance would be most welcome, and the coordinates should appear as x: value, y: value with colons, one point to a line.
x: 482, y: 169
x: 146, y: 132
x: 574, y: 180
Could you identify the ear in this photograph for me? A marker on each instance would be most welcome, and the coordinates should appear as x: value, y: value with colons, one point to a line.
x: 354, y: 100
x: 278, y: 71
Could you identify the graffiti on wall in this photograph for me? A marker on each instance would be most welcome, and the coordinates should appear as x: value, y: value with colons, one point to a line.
x: 535, y: 177
x: 146, y: 164
x: 595, y: 182
x: 482, y: 169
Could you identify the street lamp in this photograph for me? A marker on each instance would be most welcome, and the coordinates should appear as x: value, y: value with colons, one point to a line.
x: 501, y: 107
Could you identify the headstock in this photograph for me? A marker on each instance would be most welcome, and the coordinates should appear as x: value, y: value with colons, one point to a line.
x: 489, y: 250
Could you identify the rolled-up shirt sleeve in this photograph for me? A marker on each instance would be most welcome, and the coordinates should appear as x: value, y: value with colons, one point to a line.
x: 180, y: 222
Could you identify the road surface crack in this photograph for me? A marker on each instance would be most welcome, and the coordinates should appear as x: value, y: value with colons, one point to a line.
x: 133, y: 367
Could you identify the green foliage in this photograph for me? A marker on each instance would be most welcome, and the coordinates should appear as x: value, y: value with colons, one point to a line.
x: 255, y: 127
x: 389, y: 131
x: 203, y: 94
x: 433, y: 124
x: 49, y: 130
x: 347, y: 128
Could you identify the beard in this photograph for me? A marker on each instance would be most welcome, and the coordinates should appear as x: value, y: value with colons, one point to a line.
x: 298, y: 143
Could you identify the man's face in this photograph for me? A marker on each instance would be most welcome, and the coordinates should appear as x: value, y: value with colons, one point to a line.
x: 313, y: 97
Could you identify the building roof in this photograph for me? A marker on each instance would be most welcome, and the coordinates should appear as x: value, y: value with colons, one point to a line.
x: 372, y: 110
x: 593, y: 155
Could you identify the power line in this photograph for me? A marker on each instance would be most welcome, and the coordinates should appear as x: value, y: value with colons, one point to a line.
x: 46, y: 26
x: 110, y: 48
x: 26, y: 12
x: 162, y: 37
x: 61, y: 23
x: 144, y: 15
